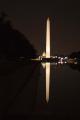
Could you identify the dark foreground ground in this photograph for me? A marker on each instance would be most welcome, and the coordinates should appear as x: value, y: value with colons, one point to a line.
x: 18, y: 89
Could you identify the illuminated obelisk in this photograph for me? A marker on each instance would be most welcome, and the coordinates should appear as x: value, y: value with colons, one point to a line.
x: 48, y: 39
x: 47, y: 56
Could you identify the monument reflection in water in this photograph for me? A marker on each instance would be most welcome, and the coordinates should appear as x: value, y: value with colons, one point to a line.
x: 47, y: 80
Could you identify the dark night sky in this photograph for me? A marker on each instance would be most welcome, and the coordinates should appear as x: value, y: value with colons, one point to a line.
x: 30, y: 18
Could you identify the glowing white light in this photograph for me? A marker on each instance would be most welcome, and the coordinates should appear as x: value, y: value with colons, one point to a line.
x: 44, y: 54
x: 44, y: 65
x: 47, y: 80
x: 66, y: 57
x: 47, y: 56
x: 53, y: 57
x: 59, y: 57
x: 61, y: 62
x: 48, y: 39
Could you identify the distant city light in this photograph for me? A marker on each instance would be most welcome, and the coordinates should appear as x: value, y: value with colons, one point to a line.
x: 59, y: 62
x: 59, y: 57
x: 66, y: 57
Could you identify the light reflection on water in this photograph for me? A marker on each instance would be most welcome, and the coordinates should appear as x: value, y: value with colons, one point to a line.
x: 47, y: 68
x: 47, y: 72
x: 59, y: 85
x: 47, y: 81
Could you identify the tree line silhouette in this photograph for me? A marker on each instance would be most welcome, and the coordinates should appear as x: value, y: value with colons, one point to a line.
x: 76, y: 55
x: 13, y: 44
